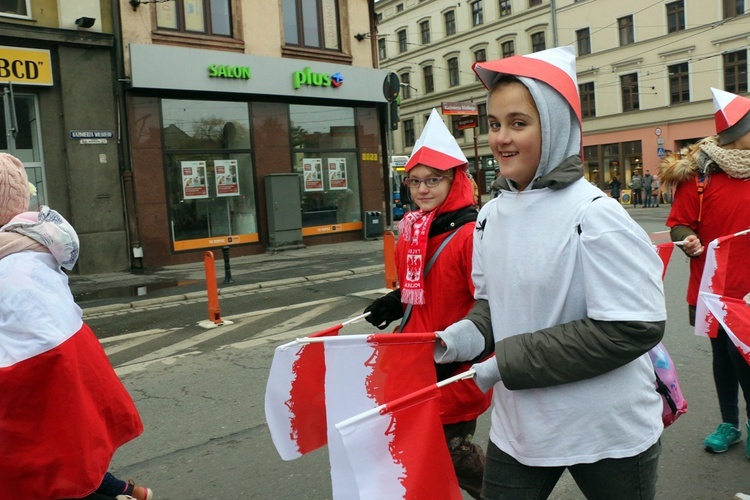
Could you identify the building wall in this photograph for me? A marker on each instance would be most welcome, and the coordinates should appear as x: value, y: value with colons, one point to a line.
x: 701, y: 44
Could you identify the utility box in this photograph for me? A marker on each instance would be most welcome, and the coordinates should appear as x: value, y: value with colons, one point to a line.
x: 284, y: 206
x: 373, y: 225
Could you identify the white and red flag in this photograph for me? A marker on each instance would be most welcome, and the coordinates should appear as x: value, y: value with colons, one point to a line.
x: 725, y: 273
x: 664, y: 251
x: 295, y: 396
x: 398, y: 450
x: 364, y: 372
x: 734, y: 316
x: 63, y: 410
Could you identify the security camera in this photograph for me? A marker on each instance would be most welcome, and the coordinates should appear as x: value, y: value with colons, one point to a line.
x: 85, y: 22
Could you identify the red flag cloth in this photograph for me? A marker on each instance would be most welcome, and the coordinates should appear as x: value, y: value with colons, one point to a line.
x: 734, y: 316
x: 664, y: 250
x: 364, y: 372
x: 725, y: 273
x: 295, y: 397
x: 63, y: 413
x: 400, y: 451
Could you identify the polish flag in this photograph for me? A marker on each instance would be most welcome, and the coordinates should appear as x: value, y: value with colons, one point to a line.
x: 63, y: 410
x: 734, y: 316
x: 364, y: 372
x: 295, y: 397
x: 725, y: 273
x: 398, y: 450
x: 664, y: 251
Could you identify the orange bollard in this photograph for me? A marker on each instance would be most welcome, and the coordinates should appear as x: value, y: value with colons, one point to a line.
x: 389, y: 254
x: 214, y: 312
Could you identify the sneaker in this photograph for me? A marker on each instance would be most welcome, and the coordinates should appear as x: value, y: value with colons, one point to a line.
x: 741, y: 496
x: 140, y: 492
x: 722, y: 438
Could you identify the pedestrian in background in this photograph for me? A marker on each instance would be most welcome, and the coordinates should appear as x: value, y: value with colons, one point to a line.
x: 712, y: 199
x: 495, y: 186
x: 655, y: 193
x: 433, y: 261
x: 648, y: 179
x: 63, y: 410
x: 614, y: 187
x: 636, y: 184
x: 573, y: 382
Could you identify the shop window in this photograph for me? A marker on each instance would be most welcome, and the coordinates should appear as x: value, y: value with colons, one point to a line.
x: 311, y: 23
x: 25, y: 143
x: 15, y: 7
x: 325, y: 156
x: 209, y: 173
x: 212, y: 17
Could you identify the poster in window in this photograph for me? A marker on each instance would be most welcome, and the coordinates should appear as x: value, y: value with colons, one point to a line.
x: 312, y: 169
x: 337, y: 173
x: 227, y: 183
x: 194, y: 179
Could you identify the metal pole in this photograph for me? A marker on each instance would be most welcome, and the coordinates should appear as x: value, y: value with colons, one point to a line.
x: 227, y: 270
x: 390, y: 162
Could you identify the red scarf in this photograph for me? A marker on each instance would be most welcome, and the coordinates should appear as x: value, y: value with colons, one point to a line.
x: 415, y: 229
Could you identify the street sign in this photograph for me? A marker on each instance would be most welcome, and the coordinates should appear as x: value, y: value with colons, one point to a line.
x: 391, y: 87
x: 459, y: 108
x: 468, y: 121
x: 660, y: 152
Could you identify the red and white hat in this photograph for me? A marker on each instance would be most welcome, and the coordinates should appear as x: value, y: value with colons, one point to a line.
x: 732, y: 115
x: 436, y: 147
x: 555, y: 67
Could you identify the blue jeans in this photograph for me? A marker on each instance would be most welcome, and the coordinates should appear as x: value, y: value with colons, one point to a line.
x: 632, y: 478
x: 647, y: 198
x: 730, y: 373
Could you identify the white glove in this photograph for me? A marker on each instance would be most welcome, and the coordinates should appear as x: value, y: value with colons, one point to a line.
x: 487, y: 374
x: 463, y: 342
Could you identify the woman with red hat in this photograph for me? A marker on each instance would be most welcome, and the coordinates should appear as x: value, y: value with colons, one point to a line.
x: 573, y: 383
x: 433, y: 260
x: 712, y: 199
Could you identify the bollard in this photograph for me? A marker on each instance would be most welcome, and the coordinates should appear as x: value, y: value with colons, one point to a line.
x: 214, y: 313
x: 389, y: 255
x: 227, y: 270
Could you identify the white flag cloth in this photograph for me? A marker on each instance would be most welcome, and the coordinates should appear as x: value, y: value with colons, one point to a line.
x: 399, y: 452
x: 364, y: 372
x: 725, y: 273
x: 734, y: 316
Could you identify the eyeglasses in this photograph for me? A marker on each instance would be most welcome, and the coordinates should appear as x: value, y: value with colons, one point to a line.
x: 430, y: 182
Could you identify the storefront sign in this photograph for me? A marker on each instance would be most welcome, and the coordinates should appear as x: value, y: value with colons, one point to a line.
x: 307, y: 77
x: 23, y: 66
x: 312, y: 169
x: 227, y: 183
x: 337, y: 173
x: 469, y: 121
x: 194, y: 179
x: 226, y: 71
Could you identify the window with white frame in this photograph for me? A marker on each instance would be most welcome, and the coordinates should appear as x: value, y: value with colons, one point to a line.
x: 477, y: 14
x: 450, y: 23
x: 453, y: 79
x: 675, y: 16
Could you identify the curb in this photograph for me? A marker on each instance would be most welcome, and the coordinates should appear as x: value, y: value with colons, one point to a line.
x: 144, y: 303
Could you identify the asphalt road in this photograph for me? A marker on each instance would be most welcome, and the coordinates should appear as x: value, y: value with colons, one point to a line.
x: 201, y: 392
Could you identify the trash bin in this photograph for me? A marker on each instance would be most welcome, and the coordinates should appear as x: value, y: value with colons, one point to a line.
x: 373, y: 225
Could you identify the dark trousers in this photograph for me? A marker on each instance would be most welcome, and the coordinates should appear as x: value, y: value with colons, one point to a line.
x: 647, y: 198
x: 731, y: 372
x: 637, y: 198
x: 468, y: 458
x: 632, y: 478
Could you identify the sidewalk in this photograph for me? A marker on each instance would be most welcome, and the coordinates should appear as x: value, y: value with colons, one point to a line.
x: 140, y: 288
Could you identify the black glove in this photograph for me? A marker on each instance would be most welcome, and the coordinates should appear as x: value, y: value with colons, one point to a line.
x: 385, y: 309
